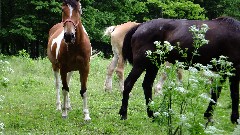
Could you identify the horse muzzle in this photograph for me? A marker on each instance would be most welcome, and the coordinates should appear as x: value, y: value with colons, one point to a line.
x: 69, y: 37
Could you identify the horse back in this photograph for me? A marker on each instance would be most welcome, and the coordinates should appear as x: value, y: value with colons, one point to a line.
x: 117, y: 36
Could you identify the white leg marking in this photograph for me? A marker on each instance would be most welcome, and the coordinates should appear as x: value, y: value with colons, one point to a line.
x: 68, y: 95
x: 64, y: 109
x: 85, y: 108
x: 57, y: 85
x: 58, y: 41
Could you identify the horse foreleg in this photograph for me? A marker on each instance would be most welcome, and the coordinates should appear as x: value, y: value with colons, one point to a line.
x: 234, y: 88
x: 57, y: 85
x: 68, y: 95
x: 147, y: 84
x: 120, y: 72
x: 128, y: 85
x: 110, y: 70
x: 65, y: 91
x: 83, y: 91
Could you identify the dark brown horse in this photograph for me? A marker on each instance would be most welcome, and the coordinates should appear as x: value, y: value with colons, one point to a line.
x: 69, y: 50
x: 224, y: 39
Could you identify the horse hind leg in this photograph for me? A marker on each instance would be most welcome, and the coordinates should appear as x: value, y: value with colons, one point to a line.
x: 159, y: 85
x: 110, y: 70
x: 120, y: 72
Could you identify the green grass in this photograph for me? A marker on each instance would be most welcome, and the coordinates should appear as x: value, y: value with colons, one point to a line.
x: 29, y: 106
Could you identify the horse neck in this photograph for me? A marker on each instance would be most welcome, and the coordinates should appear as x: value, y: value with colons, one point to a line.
x: 79, y: 33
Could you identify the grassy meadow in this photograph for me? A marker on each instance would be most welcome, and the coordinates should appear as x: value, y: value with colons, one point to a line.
x: 27, y: 103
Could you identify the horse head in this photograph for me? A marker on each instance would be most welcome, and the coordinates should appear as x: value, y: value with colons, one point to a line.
x: 71, y: 13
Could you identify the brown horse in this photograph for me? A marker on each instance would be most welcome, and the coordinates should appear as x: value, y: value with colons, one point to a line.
x: 117, y: 34
x: 69, y: 50
x: 224, y: 39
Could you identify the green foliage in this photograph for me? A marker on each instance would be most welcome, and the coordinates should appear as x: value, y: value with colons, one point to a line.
x: 231, y: 8
x: 25, y: 24
x: 180, y: 9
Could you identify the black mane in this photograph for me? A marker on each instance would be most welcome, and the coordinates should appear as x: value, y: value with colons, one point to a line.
x: 73, y: 3
x: 230, y: 22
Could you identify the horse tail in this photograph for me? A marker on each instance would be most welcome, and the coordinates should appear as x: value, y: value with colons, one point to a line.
x: 109, y: 30
x: 127, y: 48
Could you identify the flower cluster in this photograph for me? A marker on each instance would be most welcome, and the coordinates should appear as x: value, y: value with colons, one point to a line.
x: 199, y: 35
x: 4, y: 70
x: 161, y: 51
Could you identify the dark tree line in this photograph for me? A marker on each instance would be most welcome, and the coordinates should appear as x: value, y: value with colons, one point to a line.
x: 24, y: 24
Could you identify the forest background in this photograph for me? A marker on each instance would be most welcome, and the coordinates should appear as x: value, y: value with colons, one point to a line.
x: 24, y: 24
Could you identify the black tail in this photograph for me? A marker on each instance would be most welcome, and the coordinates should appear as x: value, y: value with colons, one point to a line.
x: 127, y: 48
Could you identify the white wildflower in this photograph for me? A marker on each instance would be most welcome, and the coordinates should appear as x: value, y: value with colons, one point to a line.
x: 2, y: 126
x: 156, y: 42
x: 204, y: 41
x: 213, y: 130
x: 205, y: 96
x: 10, y: 70
x: 6, y: 62
x: 156, y: 114
x: 152, y: 103
x: 160, y: 52
x: 183, y: 118
x: 165, y: 114
x: 194, y: 28
x: 209, y: 73
x: 193, y: 80
x: 181, y: 89
x: 5, y: 80
x: 1, y: 97
x: 149, y: 52
x: 193, y: 69
x: 169, y: 47
x: 180, y: 64
x: 200, y: 36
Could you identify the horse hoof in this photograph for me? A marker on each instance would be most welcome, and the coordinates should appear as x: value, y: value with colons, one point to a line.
x: 234, y: 118
x: 209, y: 121
x: 64, y: 117
x: 58, y: 109
x: 69, y: 108
x: 123, y: 118
x: 87, y: 119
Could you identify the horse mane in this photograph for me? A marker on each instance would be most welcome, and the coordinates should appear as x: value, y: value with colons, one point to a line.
x: 230, y: 22
x: 73, y: 3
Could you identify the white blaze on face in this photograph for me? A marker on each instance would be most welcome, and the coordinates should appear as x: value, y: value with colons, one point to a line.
x: 58, y: 41
x: 71, y: 10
